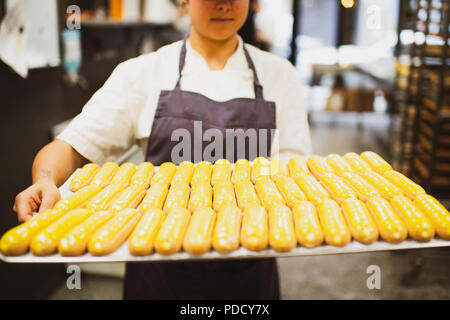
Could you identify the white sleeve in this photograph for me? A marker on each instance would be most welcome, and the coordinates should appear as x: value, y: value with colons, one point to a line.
x: 105, y: 129
x: 293, y: 136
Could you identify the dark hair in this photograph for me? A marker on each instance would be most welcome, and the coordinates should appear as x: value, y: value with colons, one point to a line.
x: 248, y: 32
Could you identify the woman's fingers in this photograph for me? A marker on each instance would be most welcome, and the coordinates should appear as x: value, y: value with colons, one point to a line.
x: 37, y: 198
x: 50, y: 195
x: 24, y: 206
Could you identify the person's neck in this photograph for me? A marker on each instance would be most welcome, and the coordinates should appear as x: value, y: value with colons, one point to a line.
x: 215, y: 52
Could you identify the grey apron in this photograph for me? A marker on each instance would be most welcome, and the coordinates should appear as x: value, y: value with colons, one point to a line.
x: 215, y: 279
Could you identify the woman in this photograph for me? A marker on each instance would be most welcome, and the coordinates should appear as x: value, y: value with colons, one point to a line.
x: 211, y: 78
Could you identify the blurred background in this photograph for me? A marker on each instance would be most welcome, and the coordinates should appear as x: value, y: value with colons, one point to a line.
x: 375, y: 78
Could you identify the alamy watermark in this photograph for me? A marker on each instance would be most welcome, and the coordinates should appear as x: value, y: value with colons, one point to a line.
x: 374, y: 280
x: 74, y: 280
x: 233, y: 144
x: 73, y: 21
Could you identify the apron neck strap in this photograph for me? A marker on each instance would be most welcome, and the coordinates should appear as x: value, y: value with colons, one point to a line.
x: 257, y: 85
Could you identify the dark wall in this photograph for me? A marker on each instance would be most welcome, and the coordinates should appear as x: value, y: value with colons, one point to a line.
x: 29, y: 108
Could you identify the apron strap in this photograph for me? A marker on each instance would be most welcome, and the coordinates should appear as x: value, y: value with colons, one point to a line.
x: 182, y: 61
x: 257, y: 85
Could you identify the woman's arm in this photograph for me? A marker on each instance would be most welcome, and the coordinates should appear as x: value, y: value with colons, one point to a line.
x: 103, y: 130
x: 53, y: 165
x: 56, y: 162
x: 293, y: 135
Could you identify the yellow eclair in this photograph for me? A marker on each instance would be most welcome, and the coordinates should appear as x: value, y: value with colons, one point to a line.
x: 223, y: 195
x: 255, y: 228
x: 124, y: 174
x: 409, y: 187
x: 143, y: 175
x: 141, y: 239
x: 337, y: 188
x: 75, y: 242
x: 289, y: 190
x: 104, y: 175
x: 113, y: 233
x: 129, y: 198
x: 16, y: 241
x: 246, y: 194
x: 155, y: 196
x: 297, y: 166
x: 102, y: 199
x: 77, y: 199
x: 376, y: 162
x: 356, y: 162
x: 307, y: 225
x: 437, y: 213
x: 171, y: 234
x: 318, y: 166
x: 201, y: 196
x: 165, y: 173
x: 333, y: 223
x: 261, y: 160
x: 268, y: 193
x: 363, y: 188
x: 362, y: 225
x: 338, y: 164
x: 221, y: 172
x: 241, y: 171
x: 383, y: 186
x: 278, y: 168
x: 391, y: 227
x: 202, y: 173
x: 198, y: 237
x: 281, y: 229
x: 46, y: 242
x: 261, y: 168
x: 83, y: 177
x: 226, y: 236
x: 178, y: 196
x: 312, y: 188
x: 420, y: 227
x: 184, y: 173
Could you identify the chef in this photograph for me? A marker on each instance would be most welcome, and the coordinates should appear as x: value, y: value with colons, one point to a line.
x: 211, y: 80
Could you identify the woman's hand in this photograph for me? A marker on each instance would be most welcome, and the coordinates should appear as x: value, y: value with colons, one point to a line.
x: 52, y: 166
x: 36, y: 199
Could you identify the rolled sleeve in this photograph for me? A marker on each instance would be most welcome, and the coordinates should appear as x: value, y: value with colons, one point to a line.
x: 293, y: 135
x: 104, y: 130
x: 82, y: 144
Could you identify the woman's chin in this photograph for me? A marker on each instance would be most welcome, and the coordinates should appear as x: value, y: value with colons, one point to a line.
x: 221, y: 36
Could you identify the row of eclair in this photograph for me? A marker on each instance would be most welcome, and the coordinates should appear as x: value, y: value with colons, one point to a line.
x: 354, y: 196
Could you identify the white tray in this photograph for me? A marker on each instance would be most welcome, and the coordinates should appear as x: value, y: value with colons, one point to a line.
x: 123, y: 254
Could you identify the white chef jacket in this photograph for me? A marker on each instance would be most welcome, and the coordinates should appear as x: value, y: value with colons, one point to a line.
x: 120, y: 114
